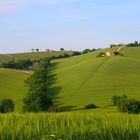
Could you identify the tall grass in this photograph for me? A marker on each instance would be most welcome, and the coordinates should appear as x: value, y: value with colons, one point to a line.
x: 70, y: 126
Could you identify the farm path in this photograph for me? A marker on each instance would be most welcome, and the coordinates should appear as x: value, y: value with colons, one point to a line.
x: 95, y: 71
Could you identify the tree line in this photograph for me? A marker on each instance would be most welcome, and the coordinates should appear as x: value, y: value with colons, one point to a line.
x: 20, y: 64
x: 124, y: 104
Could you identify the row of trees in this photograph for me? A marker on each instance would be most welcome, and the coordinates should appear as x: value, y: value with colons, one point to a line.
x: 126, y: 105
x: 21, y: 64
x: 37, y: 98
x: 135, y: 44
x: 34, y: 50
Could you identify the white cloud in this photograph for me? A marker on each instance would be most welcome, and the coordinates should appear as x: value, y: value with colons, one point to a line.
x: 8, y: 6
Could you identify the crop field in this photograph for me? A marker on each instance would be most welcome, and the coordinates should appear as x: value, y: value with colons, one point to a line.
x: 99, y: 124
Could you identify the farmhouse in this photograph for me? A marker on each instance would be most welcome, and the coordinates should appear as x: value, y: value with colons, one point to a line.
x: 47, y: 50
x: 109, y: 54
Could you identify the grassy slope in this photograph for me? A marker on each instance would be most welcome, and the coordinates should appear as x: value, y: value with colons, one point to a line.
x: 30, y: 55
x: 86, y: 79
x: 37, y: 55
x: 5, y: 57
x: 12, y: 84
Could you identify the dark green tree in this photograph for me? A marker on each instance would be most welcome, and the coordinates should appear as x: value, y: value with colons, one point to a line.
x: 37, y: 99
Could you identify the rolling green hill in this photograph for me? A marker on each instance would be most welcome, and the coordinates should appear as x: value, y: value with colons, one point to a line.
x: 84, y: 79
x: 30, y: 55
x: 5, y: 58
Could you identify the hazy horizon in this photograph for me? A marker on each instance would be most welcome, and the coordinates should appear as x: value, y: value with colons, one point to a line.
x: 69, y: 24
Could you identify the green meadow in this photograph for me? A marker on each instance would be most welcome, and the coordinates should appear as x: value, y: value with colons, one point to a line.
x: 12, y: 85
x: 81, y: 80
x: 76, y: 82
x: 86, y: 79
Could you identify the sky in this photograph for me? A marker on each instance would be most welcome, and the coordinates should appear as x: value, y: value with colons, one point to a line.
x: 69, y: 24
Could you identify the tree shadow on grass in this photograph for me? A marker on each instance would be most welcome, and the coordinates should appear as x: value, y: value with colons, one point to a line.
x: 54, y: 89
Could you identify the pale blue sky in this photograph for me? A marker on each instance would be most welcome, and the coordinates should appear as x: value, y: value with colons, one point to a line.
x: 72, y: 24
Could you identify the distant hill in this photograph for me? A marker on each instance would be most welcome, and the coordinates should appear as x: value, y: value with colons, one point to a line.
x: 30, y: 55
x: 81, y: 80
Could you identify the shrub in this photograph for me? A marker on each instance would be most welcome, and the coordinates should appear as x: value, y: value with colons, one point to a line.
x: 122, y: 104
x: 86, y: 51
x: 126, y: 105
x: 100, y: 54
x: 62, y: 49
x: 66, y: 55
x: 115, y: 99
x: 76, y: 53
x: 118, y: 53
x: 6, y: 106
x: 90, y: 106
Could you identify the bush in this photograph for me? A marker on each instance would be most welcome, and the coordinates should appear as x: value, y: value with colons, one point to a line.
x: 90, y: 106
x: 75, y: 53
x: 118, y: 53
x: 9, y: 64
x: 115, y: 99
x: 126, y: 105
x: 86, y: 51
x: 66, y: 55
x: 6, y: 106
x: 100, y: 54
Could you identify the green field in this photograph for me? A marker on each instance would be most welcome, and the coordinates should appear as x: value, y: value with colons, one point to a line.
x: 86, y: 79
x: 12, y: 84
x: 5, y: 58
x: 100, y: 124
x: 81, y: 80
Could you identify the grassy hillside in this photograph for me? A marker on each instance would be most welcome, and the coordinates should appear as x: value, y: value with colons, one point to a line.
x: 82, y: 80
x: 12, y: 84
x: 5, y: 57
x: 86, y: 79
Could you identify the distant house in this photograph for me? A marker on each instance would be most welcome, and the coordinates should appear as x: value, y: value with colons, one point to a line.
x: 109, y: 54
x: 47, y: 50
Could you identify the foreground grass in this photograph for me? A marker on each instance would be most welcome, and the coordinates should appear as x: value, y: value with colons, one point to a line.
x: 83, y: 125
